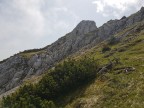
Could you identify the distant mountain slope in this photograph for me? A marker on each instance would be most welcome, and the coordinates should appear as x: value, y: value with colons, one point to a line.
x: 35, y: 62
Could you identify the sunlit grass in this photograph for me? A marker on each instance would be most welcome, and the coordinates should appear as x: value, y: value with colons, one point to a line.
x: 116, y: 90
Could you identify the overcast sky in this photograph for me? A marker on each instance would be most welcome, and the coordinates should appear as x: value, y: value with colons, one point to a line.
x: 28, y: 24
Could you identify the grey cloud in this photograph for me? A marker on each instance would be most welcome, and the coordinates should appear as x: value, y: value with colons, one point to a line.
x: 27, y: 24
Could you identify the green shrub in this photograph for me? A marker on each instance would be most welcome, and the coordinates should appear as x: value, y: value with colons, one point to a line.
x: 105, y: 48
x: 64, y: 78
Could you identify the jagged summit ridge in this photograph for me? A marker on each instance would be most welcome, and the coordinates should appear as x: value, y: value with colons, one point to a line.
x: 84, y: 27
x: 142, y: 9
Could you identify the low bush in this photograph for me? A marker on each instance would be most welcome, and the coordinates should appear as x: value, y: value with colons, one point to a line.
x: 66, y: 77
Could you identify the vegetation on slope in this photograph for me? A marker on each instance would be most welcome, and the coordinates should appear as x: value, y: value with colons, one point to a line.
x: 122, y: 87
x: 63, y: 79
x: 76, y: 83
x: 30, y: 53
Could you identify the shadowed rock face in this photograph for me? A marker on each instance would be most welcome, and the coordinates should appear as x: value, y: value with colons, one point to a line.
x: 17, y: 68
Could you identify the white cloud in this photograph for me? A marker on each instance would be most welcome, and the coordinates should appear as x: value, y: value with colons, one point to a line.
x: 64, y: 9
x: 21, y: 18
x: 100, y: 6
x: 21, y: 25
x: 116, y: 7
x: 32, y: 15
x: 26, y: 24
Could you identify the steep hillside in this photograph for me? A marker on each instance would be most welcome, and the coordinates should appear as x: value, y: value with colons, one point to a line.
x: 122, y: 86
x: 107, y: 75
x: 14, y: 70
x: 119, y: 86
x: 34, y: 62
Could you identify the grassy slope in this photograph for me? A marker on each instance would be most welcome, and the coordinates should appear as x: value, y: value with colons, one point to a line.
x: 31, y: 53
x: 115, y: 89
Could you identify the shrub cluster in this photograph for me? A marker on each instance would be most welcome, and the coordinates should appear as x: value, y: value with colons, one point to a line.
x: 64, y: 78
x: 113, y: 40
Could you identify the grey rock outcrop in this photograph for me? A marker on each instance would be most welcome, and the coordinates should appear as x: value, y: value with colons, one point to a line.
x: 114, y: 26
x: 12, y: 72
x: 84, y: 27
x: 15, y: 69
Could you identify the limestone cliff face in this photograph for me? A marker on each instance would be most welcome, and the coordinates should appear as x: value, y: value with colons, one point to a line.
x: 15, y: 69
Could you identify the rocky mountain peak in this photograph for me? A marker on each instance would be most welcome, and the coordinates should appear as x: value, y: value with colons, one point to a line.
x: 142, y: 9
x: 84, y: 27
